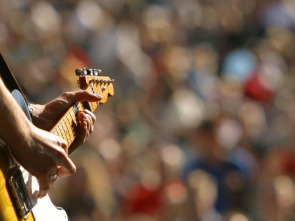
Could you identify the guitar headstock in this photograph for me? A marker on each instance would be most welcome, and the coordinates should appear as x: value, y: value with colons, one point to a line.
x: 91, y: 80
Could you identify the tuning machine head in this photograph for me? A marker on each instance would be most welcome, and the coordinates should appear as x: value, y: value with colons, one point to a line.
x: 96, y: 72
x: 81, y: 71
x: 90, y: 72
x: 78, y: 71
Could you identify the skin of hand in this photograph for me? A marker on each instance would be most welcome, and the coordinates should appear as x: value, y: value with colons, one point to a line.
x: 46, y: 116
x: 44, y: 154
x: 41, y: 153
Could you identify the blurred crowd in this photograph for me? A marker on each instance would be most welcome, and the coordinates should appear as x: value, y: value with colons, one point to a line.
x: 201, y: 126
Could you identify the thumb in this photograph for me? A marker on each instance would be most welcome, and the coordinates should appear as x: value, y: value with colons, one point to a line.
x: 65, y: 167
x: 83, y: 95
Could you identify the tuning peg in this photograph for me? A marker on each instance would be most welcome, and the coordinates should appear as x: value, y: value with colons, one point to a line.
x: 96, y: 72
x: 78, y: 71
x: 90, y: 72
x: 84, y: 71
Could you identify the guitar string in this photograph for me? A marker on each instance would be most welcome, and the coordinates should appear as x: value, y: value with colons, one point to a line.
x: 70, y: 129
x: 64, y: 130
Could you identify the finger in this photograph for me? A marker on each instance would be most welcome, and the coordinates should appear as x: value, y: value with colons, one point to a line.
x: 81, y: 116
x: 89, y: 124
x: 80, y: 96
x: 80, y: 139
x: 43, y: 185
x: 85, y: 122
x: 83, y: 132
x: 92, y: 120
x: 84, y: 128
x: 93, y: 117
x: 65, y: 167
x: 61, y: 143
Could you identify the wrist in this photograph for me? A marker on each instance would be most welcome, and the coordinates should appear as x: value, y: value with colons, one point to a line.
x: 36, y: 111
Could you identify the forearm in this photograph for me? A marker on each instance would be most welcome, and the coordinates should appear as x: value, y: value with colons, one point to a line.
x: 41, y: 153
x: 15, y: 127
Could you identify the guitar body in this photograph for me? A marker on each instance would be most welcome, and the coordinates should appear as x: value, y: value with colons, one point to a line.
x: 18, y: 188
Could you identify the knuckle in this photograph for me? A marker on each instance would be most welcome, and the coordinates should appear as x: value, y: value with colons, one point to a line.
x: 62, y: 143
x: 66, y: 94
x: 69, y: 96
x: 74, y: 169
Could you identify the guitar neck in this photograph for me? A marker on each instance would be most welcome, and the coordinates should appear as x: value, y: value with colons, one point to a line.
x: 68, y: 126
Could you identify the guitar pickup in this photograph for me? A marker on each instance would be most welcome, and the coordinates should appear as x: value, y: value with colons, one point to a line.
x: 19, y: 193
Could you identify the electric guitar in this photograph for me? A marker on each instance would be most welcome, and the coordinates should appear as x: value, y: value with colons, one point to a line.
x: 18, y: 188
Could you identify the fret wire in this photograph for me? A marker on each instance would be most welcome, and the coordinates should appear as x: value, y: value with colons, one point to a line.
x: 62, y: 126
x: 80, y: 106
x: 93, y: 108
x: 64, y: 137
x: 75, y: 108
x: 64, y: 130
x: 54, y: 132
x: 73, y: 118
x: 66, y: 117
x: 70, y: 131
x: 58, y: 131
x: 72, y: 112
x: 75, y: 125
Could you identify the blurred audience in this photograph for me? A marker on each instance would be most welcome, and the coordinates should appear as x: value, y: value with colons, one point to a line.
x: 201, y: 126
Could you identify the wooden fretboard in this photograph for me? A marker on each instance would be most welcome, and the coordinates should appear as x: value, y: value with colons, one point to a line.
x: 68, y: 126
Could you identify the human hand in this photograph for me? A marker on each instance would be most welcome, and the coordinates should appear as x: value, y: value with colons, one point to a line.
x: 86, y: 125
x: 43, y: 155
x: 46, y: 116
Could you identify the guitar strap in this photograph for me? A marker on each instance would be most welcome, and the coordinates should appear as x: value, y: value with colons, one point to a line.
x: 8, y: 78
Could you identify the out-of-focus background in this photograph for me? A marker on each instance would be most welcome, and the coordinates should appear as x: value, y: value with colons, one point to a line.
x: 201, y: 126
